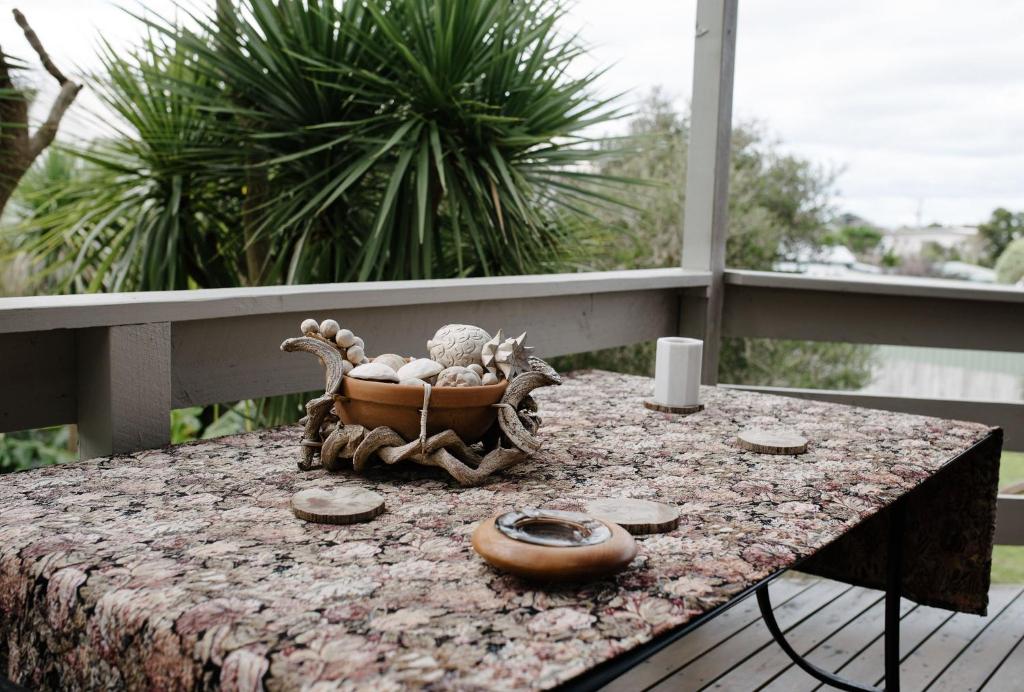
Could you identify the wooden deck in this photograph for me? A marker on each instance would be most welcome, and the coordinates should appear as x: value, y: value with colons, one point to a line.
x: 839, y: 628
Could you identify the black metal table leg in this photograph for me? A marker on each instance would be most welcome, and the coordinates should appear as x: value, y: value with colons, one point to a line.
x: 894, y: 575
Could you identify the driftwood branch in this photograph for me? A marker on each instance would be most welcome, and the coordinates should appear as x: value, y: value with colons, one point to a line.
x: 44, y: 135
x: 37, y: 46
x: 20, y: 149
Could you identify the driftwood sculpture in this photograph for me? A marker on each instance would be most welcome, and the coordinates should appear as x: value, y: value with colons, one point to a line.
x: 511, y: 440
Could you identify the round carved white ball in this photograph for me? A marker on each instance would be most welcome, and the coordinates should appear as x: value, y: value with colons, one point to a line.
x: 329, y: 329
x: 345, y: 338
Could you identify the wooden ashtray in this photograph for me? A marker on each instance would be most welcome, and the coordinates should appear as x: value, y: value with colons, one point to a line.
x: 551, y: 545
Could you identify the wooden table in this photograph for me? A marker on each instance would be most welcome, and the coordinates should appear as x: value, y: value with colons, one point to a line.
x: 183, y: 567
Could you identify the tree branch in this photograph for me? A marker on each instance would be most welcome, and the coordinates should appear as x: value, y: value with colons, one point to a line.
x: 45, y: 133
x: 37, y: 46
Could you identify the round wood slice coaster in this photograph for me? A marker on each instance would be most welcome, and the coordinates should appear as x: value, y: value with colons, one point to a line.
x: 665, y: 408
x: 639, y: 517
x: 772, y: 441
x: 340, y: 506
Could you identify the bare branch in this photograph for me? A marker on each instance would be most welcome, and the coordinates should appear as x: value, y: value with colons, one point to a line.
x: 37, y: 46
x: 44, y: 135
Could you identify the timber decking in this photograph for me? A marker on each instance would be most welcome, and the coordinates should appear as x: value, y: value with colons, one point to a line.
x: 839, y: 628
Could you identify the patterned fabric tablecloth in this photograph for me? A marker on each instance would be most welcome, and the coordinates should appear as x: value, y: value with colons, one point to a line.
x: 183, y: 567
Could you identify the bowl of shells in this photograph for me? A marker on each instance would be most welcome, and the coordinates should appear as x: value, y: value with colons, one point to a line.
x: 465, y: 405
x: 460, y: 380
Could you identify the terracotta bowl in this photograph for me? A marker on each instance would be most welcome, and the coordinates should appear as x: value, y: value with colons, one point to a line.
x: 469, y: 411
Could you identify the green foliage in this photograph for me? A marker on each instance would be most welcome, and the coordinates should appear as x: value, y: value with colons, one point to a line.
x: 143, y: 212
x: 934, y: 253
x: 1002, y: 228
x: 1010, y: 265
x: 301, y: 142
x: 802, y: 364
x: 637, y: 359
x: 198, y: 422
x: 29, y: 449
x: 862, y: 240
x: 777, y: 203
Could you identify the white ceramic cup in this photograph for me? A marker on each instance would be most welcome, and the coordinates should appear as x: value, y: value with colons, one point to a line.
x: 677, y: 371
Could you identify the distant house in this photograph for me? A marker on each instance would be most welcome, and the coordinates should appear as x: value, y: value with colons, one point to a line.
x: 909, y: 242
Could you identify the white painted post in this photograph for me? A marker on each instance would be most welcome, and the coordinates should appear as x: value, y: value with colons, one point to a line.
x: 705, y: 223
x: 124, y: 388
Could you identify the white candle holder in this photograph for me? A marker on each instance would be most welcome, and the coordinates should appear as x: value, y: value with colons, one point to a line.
x: 677, y: 376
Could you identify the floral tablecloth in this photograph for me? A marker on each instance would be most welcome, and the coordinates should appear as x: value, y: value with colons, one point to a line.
x: 183, y: 567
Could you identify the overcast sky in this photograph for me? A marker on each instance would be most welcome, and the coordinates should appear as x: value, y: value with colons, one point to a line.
x: 920, y: 103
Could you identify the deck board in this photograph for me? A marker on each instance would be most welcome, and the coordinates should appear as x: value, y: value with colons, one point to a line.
x: 839, y: 628
x: 772, y: 660
x: 747, y: 642
x: 915, y: 627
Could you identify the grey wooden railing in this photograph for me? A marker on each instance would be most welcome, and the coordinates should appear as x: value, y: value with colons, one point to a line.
x: 117, y: 364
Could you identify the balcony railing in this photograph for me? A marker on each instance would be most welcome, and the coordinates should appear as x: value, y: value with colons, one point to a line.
x: 117, y: 364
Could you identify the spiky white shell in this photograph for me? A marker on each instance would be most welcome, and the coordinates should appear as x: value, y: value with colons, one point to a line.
x: 421, y: 368
x: 458, y: 345
x: 392, y: 360
x: 329, y: 329
x: 378, y: 372
x: 345, y: 338
x: 309, y: 326
x: 458, y: 376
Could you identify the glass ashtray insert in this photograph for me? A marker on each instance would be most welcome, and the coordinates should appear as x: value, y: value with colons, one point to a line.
x: 553, y: 528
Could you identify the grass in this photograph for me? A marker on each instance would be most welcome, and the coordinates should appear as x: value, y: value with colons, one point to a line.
x: 1011, y: 468
x: 1008, y: 560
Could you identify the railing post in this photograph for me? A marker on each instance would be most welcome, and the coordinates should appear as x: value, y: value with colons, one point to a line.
x: 707, y: 173
x: 124, y: 388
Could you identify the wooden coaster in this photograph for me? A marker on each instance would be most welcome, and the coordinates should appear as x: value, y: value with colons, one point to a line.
x: 772, y: 441
x: 639, y: 517
x: 348, y: 505
x: 665, y: 408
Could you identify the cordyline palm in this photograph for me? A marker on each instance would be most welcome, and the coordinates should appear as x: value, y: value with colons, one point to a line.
x: 142, y: 213
x: 403, y: 139
x: 294, y: 142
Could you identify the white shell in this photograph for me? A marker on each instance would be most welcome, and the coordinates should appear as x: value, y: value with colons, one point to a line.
x: 421, y: 368
x: 477, y: 368
x: 458, y: 376
x: 457, y: 344
x: 309, y: 326
x: 414, y: 381
x: 346, y: 367
x: 392, y: 360
x: 345, y: 338
x: 355, y: 355
x: 329, y: 329
x: 358, y: 342
x: 489, y: 378
x: 377, y: 372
